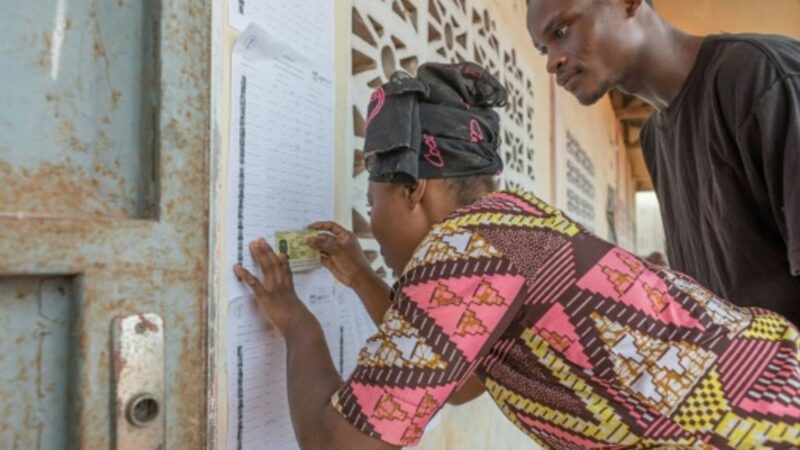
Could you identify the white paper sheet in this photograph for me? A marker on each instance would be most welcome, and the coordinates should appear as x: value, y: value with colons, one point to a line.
x: 257, y: 399
x: 307, y: 24
x: 281, y: 164
x: 258, y: 407
x: 281, y: 170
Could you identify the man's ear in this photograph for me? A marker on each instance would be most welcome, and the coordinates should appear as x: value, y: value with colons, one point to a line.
x: 415, y: 193
x: 631, y: 6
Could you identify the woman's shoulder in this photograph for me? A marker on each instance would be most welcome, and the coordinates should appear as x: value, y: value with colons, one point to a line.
x: 500, y: 206
x: 511, y: 210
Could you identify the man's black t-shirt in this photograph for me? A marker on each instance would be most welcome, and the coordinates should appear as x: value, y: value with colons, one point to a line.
x: 725, y: 161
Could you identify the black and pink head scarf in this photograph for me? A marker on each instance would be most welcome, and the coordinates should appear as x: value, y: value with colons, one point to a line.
x: 438, y: 125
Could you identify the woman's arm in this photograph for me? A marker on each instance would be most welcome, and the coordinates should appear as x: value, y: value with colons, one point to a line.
x: 343, y: 256
x: 312, y: 380
x: 374, y: 294
x: 312, y: 377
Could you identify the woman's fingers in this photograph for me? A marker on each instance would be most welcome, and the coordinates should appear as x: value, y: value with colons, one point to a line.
x: 331, y: 227
x: 258, y: 290
x: 259, y: 253
x: 285, y: 277
x: 324, y: 243
x: 250, y: 280
x: 280, y: 268
x: 275, y: 275
x: 275, y: 295
x: 327, y: 225
x: 274, y: 268
x: 333, y: 268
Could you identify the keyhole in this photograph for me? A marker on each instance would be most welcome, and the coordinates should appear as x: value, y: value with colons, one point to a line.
x: 143, y: 409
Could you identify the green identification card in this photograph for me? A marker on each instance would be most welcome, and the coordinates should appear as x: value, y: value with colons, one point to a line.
x: 293, y: 244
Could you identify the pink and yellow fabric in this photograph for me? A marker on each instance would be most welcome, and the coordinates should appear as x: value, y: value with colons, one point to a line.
x: 580, y: 343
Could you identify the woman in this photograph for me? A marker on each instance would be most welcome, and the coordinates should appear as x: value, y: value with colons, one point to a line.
x: 580, y: 343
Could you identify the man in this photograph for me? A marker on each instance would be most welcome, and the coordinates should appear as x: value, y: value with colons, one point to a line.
x: 723, y: 148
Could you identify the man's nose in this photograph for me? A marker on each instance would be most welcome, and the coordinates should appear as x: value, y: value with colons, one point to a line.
x: 554, y: 62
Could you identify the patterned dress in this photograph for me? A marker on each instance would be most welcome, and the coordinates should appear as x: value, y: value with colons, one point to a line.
x: 580, y: 343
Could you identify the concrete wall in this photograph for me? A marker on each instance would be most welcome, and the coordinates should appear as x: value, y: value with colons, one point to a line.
x: 650, y: 233
x: 733, y: 16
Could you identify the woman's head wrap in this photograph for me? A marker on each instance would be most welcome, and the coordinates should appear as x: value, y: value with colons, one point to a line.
x: 438, y: 125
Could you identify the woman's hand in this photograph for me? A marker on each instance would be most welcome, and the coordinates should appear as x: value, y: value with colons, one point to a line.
x: 341, y: 252
x: 276, y: 296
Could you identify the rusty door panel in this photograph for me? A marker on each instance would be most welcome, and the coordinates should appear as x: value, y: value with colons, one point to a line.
x: 36, y: 362
x: 80, y: 94
x: 104, y: 190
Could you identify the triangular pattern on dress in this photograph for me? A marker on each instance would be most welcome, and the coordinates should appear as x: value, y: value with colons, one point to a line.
x: 457, y: 242
x: 659, y: 373
x: 487, y: 295
x: 449, y: 243
x: 399, y: 344
x: 640, y: 289
x: 393, y: 408
x: 427, y: 406
x: 449, y: 318
x: 412, y: 435
x: 470, y: 325
x: 443, y: 296
x: 557, y: 329
x: 478, y: 247
x: 601, y: 362
x: 388, y: 408
x: 719, y: 312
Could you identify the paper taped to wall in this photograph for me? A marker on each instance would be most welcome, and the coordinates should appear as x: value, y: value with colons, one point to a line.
x: 280, y: 178
x: 281, y: 162
x: 307, y: 24
x: 258, y: 408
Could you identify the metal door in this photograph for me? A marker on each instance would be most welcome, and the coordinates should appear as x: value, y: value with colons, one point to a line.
x: 103, y: 214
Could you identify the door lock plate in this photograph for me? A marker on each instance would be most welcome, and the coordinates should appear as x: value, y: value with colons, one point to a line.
x: 138, y: 378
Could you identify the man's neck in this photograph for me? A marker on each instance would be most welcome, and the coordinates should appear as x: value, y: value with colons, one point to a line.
x: 664, y: 64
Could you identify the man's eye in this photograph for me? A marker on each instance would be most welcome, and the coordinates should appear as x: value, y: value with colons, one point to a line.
x: 561, y: 32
